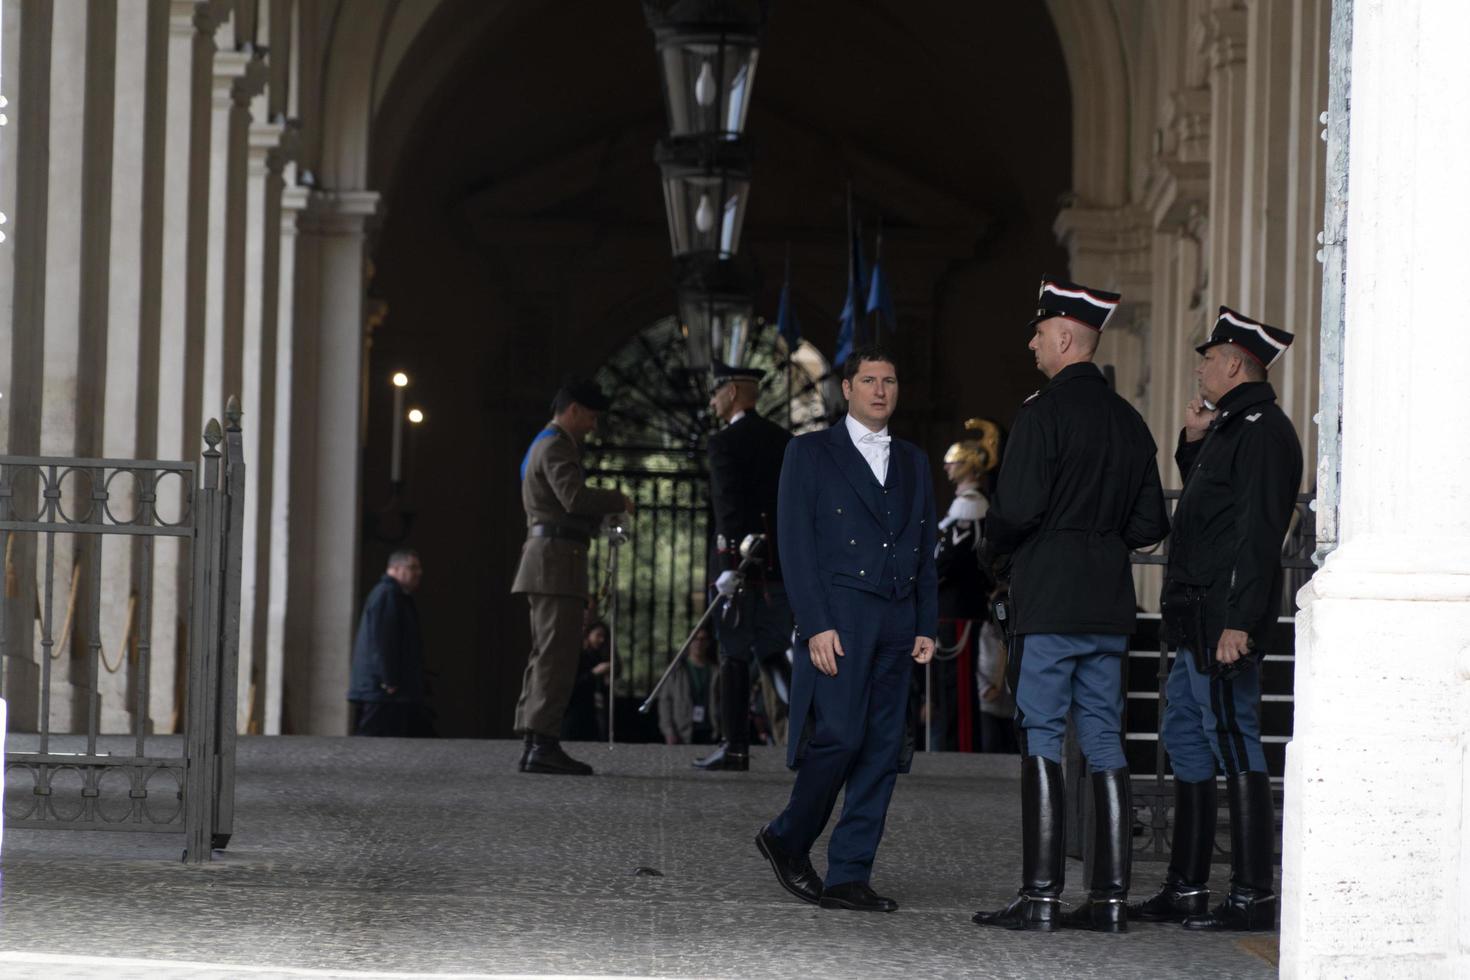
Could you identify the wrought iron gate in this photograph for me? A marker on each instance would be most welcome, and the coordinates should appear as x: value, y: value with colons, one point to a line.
x: 653, y: 448
x: 81, y: 778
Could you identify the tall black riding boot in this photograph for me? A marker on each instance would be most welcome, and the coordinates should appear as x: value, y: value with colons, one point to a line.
x: 1251, y: 905
x: 1043, y: 860
x: 734, y: 752
x: 1106, y: 908
x: 1186, y: 890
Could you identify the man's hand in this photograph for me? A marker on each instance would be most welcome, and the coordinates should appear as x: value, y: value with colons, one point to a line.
x: 728, y: 583
x: 990, y: 693
x: 1197, y: 420
x: 601, y: 668
x: 923, y: 649
x: 390, y: 690
x: 1234, y: 644
x: 825, y: 648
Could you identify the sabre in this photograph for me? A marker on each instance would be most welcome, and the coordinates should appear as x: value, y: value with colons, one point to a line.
x: 752, y: 553
x: 616, y: 533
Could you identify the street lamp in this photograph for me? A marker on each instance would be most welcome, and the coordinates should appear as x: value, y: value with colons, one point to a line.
x: 707, y: 51
x: 706, y: 187
x: 716, y: 313
x: 395, y: 469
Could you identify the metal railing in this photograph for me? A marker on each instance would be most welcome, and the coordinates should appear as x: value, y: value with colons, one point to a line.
x: 1153, y: 786
x: 74, y: 775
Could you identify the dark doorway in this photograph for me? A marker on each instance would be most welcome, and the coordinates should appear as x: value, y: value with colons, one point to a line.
x: 524, y: 238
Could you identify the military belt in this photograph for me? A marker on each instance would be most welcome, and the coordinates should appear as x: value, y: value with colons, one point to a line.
x: 560, y: 531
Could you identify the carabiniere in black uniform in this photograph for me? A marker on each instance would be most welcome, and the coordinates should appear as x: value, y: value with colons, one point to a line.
x: 1078, y: 489
x: 1224, y: 573
x: 755, y: 627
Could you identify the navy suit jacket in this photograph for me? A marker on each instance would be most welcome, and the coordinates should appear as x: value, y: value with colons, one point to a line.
x: 840, y: 529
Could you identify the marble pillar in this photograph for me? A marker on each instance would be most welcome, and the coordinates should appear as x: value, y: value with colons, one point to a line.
x: 325, y: 486
x: 1376, y: 869
x: 285, y: 457
x: 28, y: 88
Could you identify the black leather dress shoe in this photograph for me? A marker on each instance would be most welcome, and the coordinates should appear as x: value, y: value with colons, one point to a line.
x: 796, y: 875
x: 856, y: 896
x: 525, y: 754
x: 726, y: 759
x: 548, y: 757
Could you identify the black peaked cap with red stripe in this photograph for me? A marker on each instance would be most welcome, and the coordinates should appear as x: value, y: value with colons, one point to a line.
x: 1087, y: 306
x: 1264, y: 344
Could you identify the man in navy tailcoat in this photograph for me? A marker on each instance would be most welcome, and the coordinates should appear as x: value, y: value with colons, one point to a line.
x: 857, y: 530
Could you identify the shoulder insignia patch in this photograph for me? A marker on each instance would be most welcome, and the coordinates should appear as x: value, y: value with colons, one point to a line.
x: 1253, y: 418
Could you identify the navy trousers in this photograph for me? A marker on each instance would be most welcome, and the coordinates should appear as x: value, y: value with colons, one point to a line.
x: 1212, y: 721
x: 1078, y: 674
x: 855, y: 733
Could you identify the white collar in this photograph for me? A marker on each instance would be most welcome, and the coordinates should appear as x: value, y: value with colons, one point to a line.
x: 736, y: 417
x: 856, y: 430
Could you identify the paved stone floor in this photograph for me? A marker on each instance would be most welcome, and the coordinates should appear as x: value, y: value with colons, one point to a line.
x: 356, y: 857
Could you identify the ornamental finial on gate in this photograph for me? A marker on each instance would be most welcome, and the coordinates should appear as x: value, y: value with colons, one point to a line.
x: 213, y: 435
x: 233, y: 414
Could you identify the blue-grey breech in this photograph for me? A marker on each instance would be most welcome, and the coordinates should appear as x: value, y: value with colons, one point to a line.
x: 1080, y: 674
x: 1212, y: 720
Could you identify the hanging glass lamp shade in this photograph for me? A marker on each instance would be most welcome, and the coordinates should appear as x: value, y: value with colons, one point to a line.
x: 706, y: 187
x: 707, y: 52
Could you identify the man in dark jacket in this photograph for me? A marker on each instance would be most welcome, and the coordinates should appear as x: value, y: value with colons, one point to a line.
x: 744, y: 479
x: 1079, y: 487
x: 387, y: 686
x: 1241, y: 463
x: 857, y: 533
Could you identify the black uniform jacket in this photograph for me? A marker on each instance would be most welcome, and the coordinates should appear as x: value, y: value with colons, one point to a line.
x: 744, y: 482
x: 1240, y: 487
x: 1078, y: 489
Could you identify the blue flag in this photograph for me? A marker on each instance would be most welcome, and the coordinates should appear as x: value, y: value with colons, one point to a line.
x: 857, y: 282
x: 786, y: 323
x: 880, y: 298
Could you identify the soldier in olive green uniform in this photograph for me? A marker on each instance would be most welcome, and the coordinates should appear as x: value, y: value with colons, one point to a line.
x: 562, y: 515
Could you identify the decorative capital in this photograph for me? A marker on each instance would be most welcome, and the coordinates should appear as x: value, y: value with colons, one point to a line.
x: 1109, y: 247
x: 1223, y: 39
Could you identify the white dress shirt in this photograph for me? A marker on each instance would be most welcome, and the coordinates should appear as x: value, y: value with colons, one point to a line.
x: 873, y: 445
x: 736, y: 417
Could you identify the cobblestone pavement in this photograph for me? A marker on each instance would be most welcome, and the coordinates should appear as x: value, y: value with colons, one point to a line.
x: 387, y: 858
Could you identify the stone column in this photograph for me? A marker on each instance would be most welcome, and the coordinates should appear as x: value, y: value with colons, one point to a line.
x: 10, y: 13
x: 1221, y: 36
x: 1177, y: 203
x: 284, y: 456
x: 120, y: 428
x: 262, y: 278
x: 327, y: 407
x: 69, y: 341
x: 1376, y: 876
x: 1306, y: 155
x: 184, y: 227
x: 224, y: 241
x: 30, y: 97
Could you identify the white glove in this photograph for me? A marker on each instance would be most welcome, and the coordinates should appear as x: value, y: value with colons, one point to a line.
x: 728, y: 583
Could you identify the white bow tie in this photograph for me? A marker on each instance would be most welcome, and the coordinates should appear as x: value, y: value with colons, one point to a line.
x: 875, y: 438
